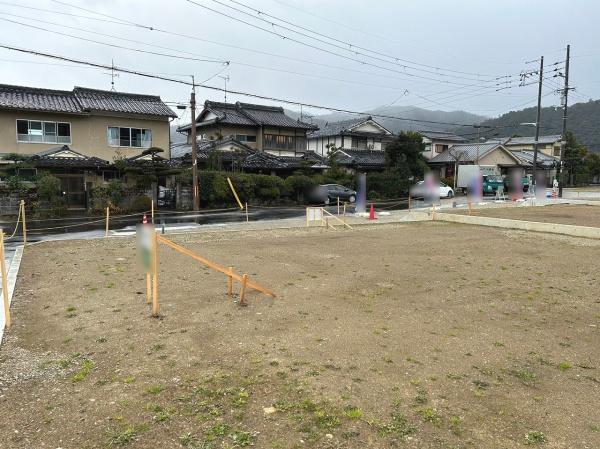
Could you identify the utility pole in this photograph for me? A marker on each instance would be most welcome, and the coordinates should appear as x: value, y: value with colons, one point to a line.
x: 537, y: 123
x: 195, y: 189
x: 564, y: 126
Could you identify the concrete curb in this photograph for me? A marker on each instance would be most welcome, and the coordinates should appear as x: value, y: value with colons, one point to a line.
x: 551, y: 228
x: 13, y: 271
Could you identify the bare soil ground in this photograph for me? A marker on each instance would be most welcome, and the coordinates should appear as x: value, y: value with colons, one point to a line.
x: 580, y: 215
x: 424, y: 335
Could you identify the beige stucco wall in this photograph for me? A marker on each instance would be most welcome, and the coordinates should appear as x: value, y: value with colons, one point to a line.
x: 497, y: 157
x: 88, y: 133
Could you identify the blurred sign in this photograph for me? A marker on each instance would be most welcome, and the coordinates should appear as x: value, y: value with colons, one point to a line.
x: 314, y: 214
x: 145, y: 236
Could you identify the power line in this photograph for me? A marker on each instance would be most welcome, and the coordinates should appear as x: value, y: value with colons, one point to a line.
x: 138, y: 50
x: 252, y: 50
x: 220, y: 89
x: 346, y: 45
x: 324, y: 50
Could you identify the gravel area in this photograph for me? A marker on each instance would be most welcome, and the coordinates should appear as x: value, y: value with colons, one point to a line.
x: 416, y: 335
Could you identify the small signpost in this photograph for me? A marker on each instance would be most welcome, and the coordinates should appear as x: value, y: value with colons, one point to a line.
x: 146, y: 238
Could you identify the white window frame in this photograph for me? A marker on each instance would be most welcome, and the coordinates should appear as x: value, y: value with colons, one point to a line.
x: 142, y: 130
x: 43, y: 141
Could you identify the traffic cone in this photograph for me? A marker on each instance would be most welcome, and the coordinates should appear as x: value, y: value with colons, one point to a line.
x: 145, y: 219
x: 372, y: 212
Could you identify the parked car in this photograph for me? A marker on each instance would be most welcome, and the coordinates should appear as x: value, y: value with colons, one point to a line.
x: 419, y: 190
x: 329, y: 193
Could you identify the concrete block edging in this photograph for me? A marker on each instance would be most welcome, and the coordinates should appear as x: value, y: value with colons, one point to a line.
x: 552, y: 228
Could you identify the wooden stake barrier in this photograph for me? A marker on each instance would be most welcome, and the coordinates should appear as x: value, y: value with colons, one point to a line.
x: 237, y: 198
x: 409, y: 203
x: 344, y: 220
x: 7, y: 320
x: 24, y: 223
x: 213, y: 265
x: 329, y: 214
x: 152, y: 209
x: 148, y: 288
x: 246, y: 212
x: 338, y: 201
x: 230, y: 282
x: 107, y: 220
x: 243, y: 291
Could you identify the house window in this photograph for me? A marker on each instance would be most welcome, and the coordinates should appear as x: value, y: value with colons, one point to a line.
x: 245, y: 138
x: 359, y: 143
x: 280, y: 143
x: 439, y: 148
x: 129, y: 137
x: 557, y: 151
x: 37, y: 131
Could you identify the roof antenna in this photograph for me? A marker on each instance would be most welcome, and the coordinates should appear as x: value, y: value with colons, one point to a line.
x: 225, y: 78
x: 113, y: 75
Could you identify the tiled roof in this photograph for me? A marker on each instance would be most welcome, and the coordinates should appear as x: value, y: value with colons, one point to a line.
x: 52, y: 157
x: 109, y: 101
x: 343, y: 127
x: 360, y: 158
x: 242, y: 154
x: 442, y: 135
x: 531, y: 140
x: 526, y: 159
x: 468, y: 152
x: 246, y: 114
x: 81, y: 101
x: 33, y: 99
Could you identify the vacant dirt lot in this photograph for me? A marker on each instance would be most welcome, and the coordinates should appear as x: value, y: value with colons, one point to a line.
x: 580, y: 215
x: 425, y: 335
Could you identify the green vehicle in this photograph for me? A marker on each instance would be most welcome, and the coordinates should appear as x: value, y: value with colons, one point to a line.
x: 524, y: 183
x: 490, y: 184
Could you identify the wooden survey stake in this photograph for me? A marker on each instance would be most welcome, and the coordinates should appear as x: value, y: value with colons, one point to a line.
x: 155, y: 306
x: 7, y: 319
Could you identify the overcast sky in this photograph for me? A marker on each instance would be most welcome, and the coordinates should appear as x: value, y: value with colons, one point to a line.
x: 435, y: 54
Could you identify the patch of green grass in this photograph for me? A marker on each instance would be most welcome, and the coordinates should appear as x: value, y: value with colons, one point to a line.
x: 524, y: 375
x: 535, y: 437
x: 241, y: 398
x: 595, y: 427
x: 154, y: 389
x: 431, y: 415
x: 498, y: 344
x: 124, y: 437
x: 399, y: 426
x: 325, y: 420
x: 161, y: 416
x: 216, y: 431
x: 564, y: 366
x: 129, y: 380
x: 353, y: 412
x: 242, y: 438
x: 187, y: 439
x: 71, y: 309
x: 84, y: 370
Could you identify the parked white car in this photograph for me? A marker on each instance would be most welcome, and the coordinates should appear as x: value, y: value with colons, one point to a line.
x: 419, y: 190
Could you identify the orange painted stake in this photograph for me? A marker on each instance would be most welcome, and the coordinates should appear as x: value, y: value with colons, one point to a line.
x: 230, y: 282
x: 243, y: 292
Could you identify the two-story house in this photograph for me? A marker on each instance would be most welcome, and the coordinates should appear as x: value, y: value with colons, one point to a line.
x: 77, y: 134
x: 262, y: 128
x: 548, y: 145
x: 436, y: 142
x: 362, y: 133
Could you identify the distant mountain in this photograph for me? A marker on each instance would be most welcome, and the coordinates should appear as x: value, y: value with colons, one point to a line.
x: 409, y: 112
x: 583, y: 121
x: 175, y: 136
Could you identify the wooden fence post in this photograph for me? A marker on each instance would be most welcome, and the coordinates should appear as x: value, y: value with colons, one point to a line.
x: 7, y: 319
x: 24, y: 223
x: 409, y: 203
x: 230, y: 282
x: 155, y: 307
x: 344, y: 212
x: 246, y: 212
x: 243, y: 292
x: 148, y: 287
x: 338, y: 204
x: 152, y: 209
x: 107, y: 219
